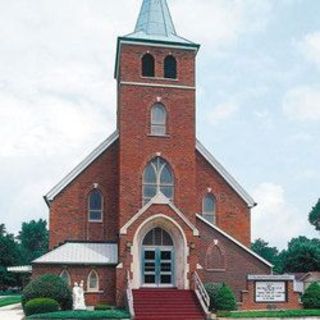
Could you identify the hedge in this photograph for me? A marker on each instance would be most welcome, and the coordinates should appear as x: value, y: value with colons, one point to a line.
x: 225, y: 299
x: 48, y: 286
x: 41, y: 305
x: 212, y: 290
x: 311, y: 297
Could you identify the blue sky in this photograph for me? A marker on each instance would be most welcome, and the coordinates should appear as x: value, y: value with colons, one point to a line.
x: 258, y: 102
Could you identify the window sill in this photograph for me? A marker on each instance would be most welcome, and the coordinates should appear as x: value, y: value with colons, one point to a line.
x: 94, y: 291
x: 161, y: 78
x: 95, y: 221
x: 166, y: 136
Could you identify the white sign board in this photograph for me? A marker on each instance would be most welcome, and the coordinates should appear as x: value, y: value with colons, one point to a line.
x: 271, y: 291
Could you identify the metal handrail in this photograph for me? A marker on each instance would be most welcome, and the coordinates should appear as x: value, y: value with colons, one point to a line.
x: 201, y: 292
x: 130, y: 296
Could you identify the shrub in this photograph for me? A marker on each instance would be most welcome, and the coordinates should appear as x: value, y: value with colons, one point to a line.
x: 225, y: 299
x: 212, y: 290
x: 103, y: 307
x: 48, y: 286
x: 41, y: 305
x: 311, y: 297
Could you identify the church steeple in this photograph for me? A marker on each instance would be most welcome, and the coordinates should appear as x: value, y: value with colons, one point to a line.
x: 155, y: 19
x: 155, y: 24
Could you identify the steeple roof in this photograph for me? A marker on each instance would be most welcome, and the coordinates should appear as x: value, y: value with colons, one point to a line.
x: 155, y: 24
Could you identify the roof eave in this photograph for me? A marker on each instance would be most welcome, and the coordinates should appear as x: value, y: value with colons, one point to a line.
x: 226, y: 175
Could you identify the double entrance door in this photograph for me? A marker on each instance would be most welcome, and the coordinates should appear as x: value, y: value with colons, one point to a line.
x: 158, y: 266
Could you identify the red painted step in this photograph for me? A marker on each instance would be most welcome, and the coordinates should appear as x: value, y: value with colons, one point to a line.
x: 166, y: 304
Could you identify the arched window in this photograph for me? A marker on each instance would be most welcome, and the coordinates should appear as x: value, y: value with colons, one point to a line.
x: 157, y: 237
x: 209, y: 208
x: 93, y: 281
x: 170, y: 67
x: 95, y: 206
x: 157, y: 177
x: 215, y: 258
x: 148, y: 65
x: 158, y: 120
x: 65, y: 275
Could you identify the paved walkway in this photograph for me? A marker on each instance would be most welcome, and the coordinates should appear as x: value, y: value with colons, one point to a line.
x: 13, y: 312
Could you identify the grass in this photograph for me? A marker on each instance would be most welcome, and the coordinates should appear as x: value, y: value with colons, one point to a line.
x: 7, y: 301
x: 270, y: 314
x: 108, y: 314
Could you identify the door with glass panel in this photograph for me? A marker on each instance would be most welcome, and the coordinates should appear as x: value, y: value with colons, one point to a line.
x: 158, y: 259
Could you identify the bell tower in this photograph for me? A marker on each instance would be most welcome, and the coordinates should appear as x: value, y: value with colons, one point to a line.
x: 155, y: 73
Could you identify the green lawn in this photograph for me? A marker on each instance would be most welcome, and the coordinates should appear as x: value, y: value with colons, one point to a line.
x: 270, y: 314
x: 108, y: 314
x: 6, y: 301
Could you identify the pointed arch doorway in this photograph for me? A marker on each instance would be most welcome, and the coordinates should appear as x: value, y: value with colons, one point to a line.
x: 158, y: 259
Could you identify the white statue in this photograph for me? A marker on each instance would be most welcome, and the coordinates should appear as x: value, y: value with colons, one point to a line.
x: 78, y: 297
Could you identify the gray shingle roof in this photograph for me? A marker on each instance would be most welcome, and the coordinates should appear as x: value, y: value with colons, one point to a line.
x: 81, y: 253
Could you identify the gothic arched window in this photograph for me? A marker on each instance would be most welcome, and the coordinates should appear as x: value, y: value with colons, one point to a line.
x: 93, y: 281
x: 147, y: 65
x: 170, y: 67
x: 157, y: 237
x: 209, y: 208
x: 158, y: 120
x: 215, y: 258
x: 65, y: 275
x: 157, y: 177
x: 95, y: 204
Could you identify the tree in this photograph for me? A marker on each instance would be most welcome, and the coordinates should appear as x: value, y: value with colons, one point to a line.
x: 303, y: 255
x: 9, y: 256
x: 271, y: 254
x: 314, y: 216
x: 34, y: 239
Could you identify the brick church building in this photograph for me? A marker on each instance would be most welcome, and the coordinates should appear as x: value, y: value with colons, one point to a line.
x: 150, y: 210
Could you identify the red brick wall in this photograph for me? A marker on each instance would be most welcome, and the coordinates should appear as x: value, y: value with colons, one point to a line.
x: 238, y: 262
x: 106, y: 274
x: 248, y: 299
x: 232, y: 213
x: 69, y: 210
x: 136, y: 146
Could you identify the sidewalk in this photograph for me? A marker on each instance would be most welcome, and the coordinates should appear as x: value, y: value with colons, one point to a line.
x: 13, y: 312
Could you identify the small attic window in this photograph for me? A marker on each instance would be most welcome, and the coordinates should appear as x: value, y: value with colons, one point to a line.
x: 148, y: 65
x: 170, y: 67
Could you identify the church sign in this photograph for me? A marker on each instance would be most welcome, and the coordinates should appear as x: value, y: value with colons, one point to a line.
x: 270, y: 291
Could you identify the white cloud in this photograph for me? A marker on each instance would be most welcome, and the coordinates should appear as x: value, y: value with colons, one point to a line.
x: 302, y: 103
x: 217, y: 23
x: 310, y: 46
x: 222, y: 112
x: 275, y: 219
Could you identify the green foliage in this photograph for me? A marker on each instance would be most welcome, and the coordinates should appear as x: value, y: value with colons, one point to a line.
x: 41, y: 305
x: 9, y: 256
x: 311, y: 297
x: 108, y: 314
x: 314, y: 216
x: 48, y: 286
x: 303, y: 255
x: 102, y: 306
x: 271, y: 254
x: 225, y: 299
x: 212, y: 290
x: 270, y: 314
x: 34, y: 239
x: 7, y: 301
